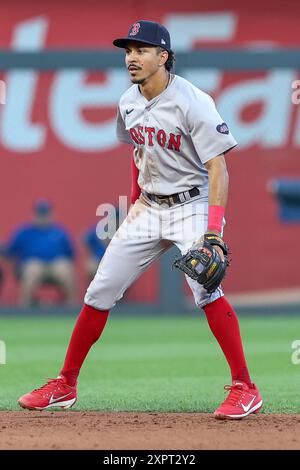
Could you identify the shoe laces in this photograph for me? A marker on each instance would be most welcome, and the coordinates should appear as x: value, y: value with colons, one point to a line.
x: 235, y: 395
x: 49, y: 385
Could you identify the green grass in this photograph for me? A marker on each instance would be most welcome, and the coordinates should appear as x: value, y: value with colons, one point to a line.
x: 152, y: 364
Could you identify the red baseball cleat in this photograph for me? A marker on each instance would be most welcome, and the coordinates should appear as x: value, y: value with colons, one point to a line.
x: 55, y: 393
x: 242, y: 400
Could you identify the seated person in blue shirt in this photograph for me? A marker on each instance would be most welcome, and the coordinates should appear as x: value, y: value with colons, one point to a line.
x: 96, y: 246
x: 43, y: 251
x: 95, y: 249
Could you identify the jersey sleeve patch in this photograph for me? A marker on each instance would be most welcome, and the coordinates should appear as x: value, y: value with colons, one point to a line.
x: 223, y: 128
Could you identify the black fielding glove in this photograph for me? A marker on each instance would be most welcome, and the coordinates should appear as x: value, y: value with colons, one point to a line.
x: 203, y: 263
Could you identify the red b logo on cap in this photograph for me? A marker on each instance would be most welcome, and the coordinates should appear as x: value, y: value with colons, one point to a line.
x: 135, y: 29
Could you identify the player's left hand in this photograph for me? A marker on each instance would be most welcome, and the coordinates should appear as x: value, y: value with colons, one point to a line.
x: 199, y: 243
x: 217, y: 247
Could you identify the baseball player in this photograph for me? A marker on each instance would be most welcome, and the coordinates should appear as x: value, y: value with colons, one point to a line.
x: 179, y: 194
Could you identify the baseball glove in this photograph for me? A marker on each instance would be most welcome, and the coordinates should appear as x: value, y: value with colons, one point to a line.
x: 203, y: 263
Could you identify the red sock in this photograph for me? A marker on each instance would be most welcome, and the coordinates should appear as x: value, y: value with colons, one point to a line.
x: 224, y: 324
x: 87, y: 331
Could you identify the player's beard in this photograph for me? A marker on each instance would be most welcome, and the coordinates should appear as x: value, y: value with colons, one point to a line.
x: 138, y: 81
x: 143, y: 80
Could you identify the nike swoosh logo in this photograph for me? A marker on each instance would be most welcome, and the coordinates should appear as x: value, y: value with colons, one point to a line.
x: 128, y: 111
x: 247, y: 408
x: 54, y: 400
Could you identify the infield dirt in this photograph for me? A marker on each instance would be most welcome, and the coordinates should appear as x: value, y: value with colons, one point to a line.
x: 97, y: 430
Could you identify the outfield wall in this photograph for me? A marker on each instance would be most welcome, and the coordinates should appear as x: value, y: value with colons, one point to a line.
x: 57, y: 137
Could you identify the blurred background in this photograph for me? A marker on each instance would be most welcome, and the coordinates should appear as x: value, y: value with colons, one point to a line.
x: 60, y: 158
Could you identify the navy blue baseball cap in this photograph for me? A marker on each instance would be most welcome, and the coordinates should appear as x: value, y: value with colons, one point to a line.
x: 147, y: 32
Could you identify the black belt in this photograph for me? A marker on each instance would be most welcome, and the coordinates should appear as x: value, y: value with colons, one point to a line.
x: 178, y: 198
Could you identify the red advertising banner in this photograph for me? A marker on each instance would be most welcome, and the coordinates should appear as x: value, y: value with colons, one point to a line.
x: 57, y: 130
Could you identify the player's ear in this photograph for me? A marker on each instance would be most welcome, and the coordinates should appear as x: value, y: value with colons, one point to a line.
x: 163, y: 56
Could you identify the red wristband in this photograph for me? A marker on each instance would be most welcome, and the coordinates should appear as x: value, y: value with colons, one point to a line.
x: 215, y: 218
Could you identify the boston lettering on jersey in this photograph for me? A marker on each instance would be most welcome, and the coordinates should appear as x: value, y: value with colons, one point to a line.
x: 140, y: 134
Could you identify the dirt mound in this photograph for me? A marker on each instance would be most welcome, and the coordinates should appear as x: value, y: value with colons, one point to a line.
x: 113, y: 431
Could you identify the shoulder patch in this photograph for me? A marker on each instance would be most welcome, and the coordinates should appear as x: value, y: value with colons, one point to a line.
x: 223, y: 128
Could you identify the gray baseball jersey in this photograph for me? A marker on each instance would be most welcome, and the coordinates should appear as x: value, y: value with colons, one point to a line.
x: 174, y: 134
